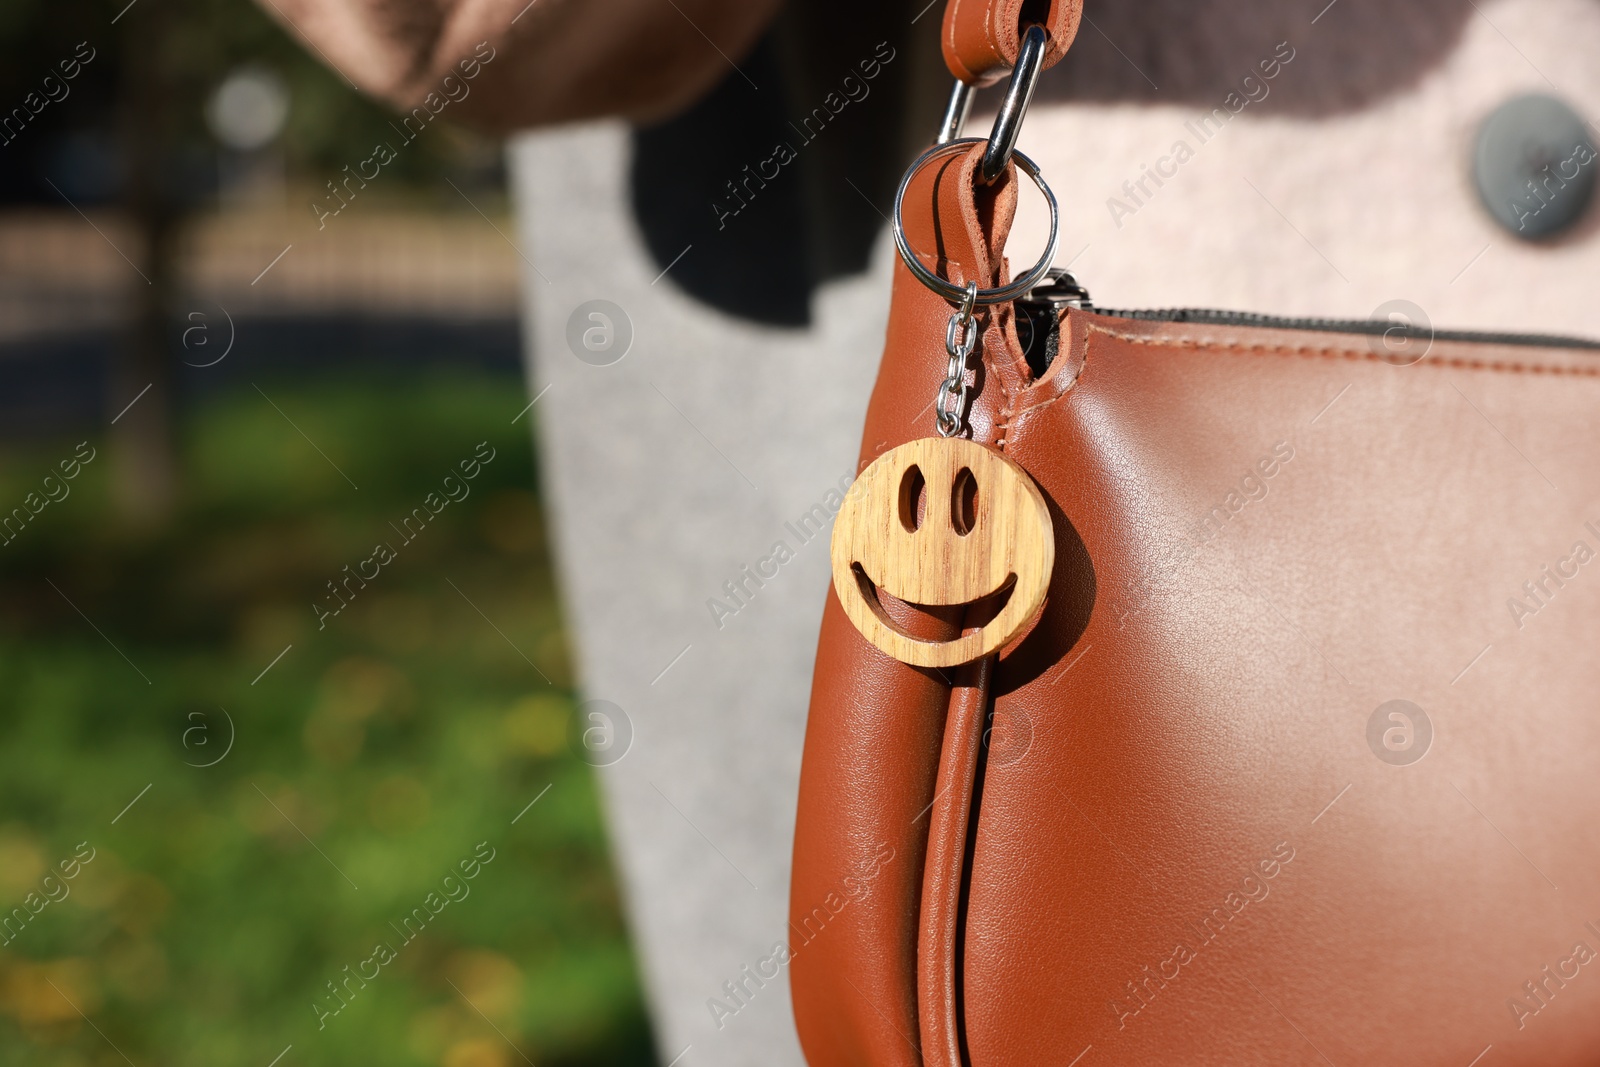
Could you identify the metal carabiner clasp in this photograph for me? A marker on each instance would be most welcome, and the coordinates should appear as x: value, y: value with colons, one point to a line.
x: 1019, y: 94
x: 1008, y: 123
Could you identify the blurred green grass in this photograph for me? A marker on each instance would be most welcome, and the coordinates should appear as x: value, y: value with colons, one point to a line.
x: 377, y: 753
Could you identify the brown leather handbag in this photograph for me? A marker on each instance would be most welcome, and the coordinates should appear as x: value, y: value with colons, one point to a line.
x: 1297, y: 762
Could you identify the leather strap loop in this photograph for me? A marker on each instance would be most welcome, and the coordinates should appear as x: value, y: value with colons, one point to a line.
x: 981, y: 37
x: 939, y: 945
x: 957, y: 225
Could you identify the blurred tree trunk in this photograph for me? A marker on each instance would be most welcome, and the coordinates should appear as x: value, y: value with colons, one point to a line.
x: 144, y: 457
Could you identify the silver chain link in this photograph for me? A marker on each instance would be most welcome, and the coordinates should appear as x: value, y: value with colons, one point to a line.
x: 960, y: 338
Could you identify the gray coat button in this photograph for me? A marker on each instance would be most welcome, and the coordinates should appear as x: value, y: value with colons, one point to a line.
x: 1535, y: 166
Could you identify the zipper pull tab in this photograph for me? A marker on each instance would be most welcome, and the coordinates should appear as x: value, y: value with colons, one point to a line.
x: 1061, y: 290
x: 1039, y: 317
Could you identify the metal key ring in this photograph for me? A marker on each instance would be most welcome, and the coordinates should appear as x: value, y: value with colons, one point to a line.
x: 947, y: 289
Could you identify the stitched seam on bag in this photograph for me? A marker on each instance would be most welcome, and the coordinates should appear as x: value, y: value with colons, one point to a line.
x: 1330, y: 352
x: 991, y: 370
x: 1066, y: 386
x: 1324, y: 352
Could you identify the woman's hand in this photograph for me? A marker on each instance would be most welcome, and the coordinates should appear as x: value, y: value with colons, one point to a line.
x: 552, y: 60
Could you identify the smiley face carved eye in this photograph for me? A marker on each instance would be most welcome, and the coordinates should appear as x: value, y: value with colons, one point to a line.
x: 964, y: 502
x: 913, y: 498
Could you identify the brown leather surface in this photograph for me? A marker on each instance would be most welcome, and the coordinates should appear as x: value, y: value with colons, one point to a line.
x: 870, y: 778
x: 1218, y: 701
x: 1190, y: 854
x: 981, y: 37
x: 939, y: 947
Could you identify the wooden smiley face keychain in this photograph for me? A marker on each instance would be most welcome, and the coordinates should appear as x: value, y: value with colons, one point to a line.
x: 945, y: 522
x: 983, y: 530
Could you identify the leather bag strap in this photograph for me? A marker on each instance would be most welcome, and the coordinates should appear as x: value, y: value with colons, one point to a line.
x: 864, y: 977
x: 950, y: 822
x: 981, y: 37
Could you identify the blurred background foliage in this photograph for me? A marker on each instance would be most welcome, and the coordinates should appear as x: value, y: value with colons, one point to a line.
x: 377, y: 753
x: 193, y: 45
x: 141, y: 616
x: 137, y: 130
